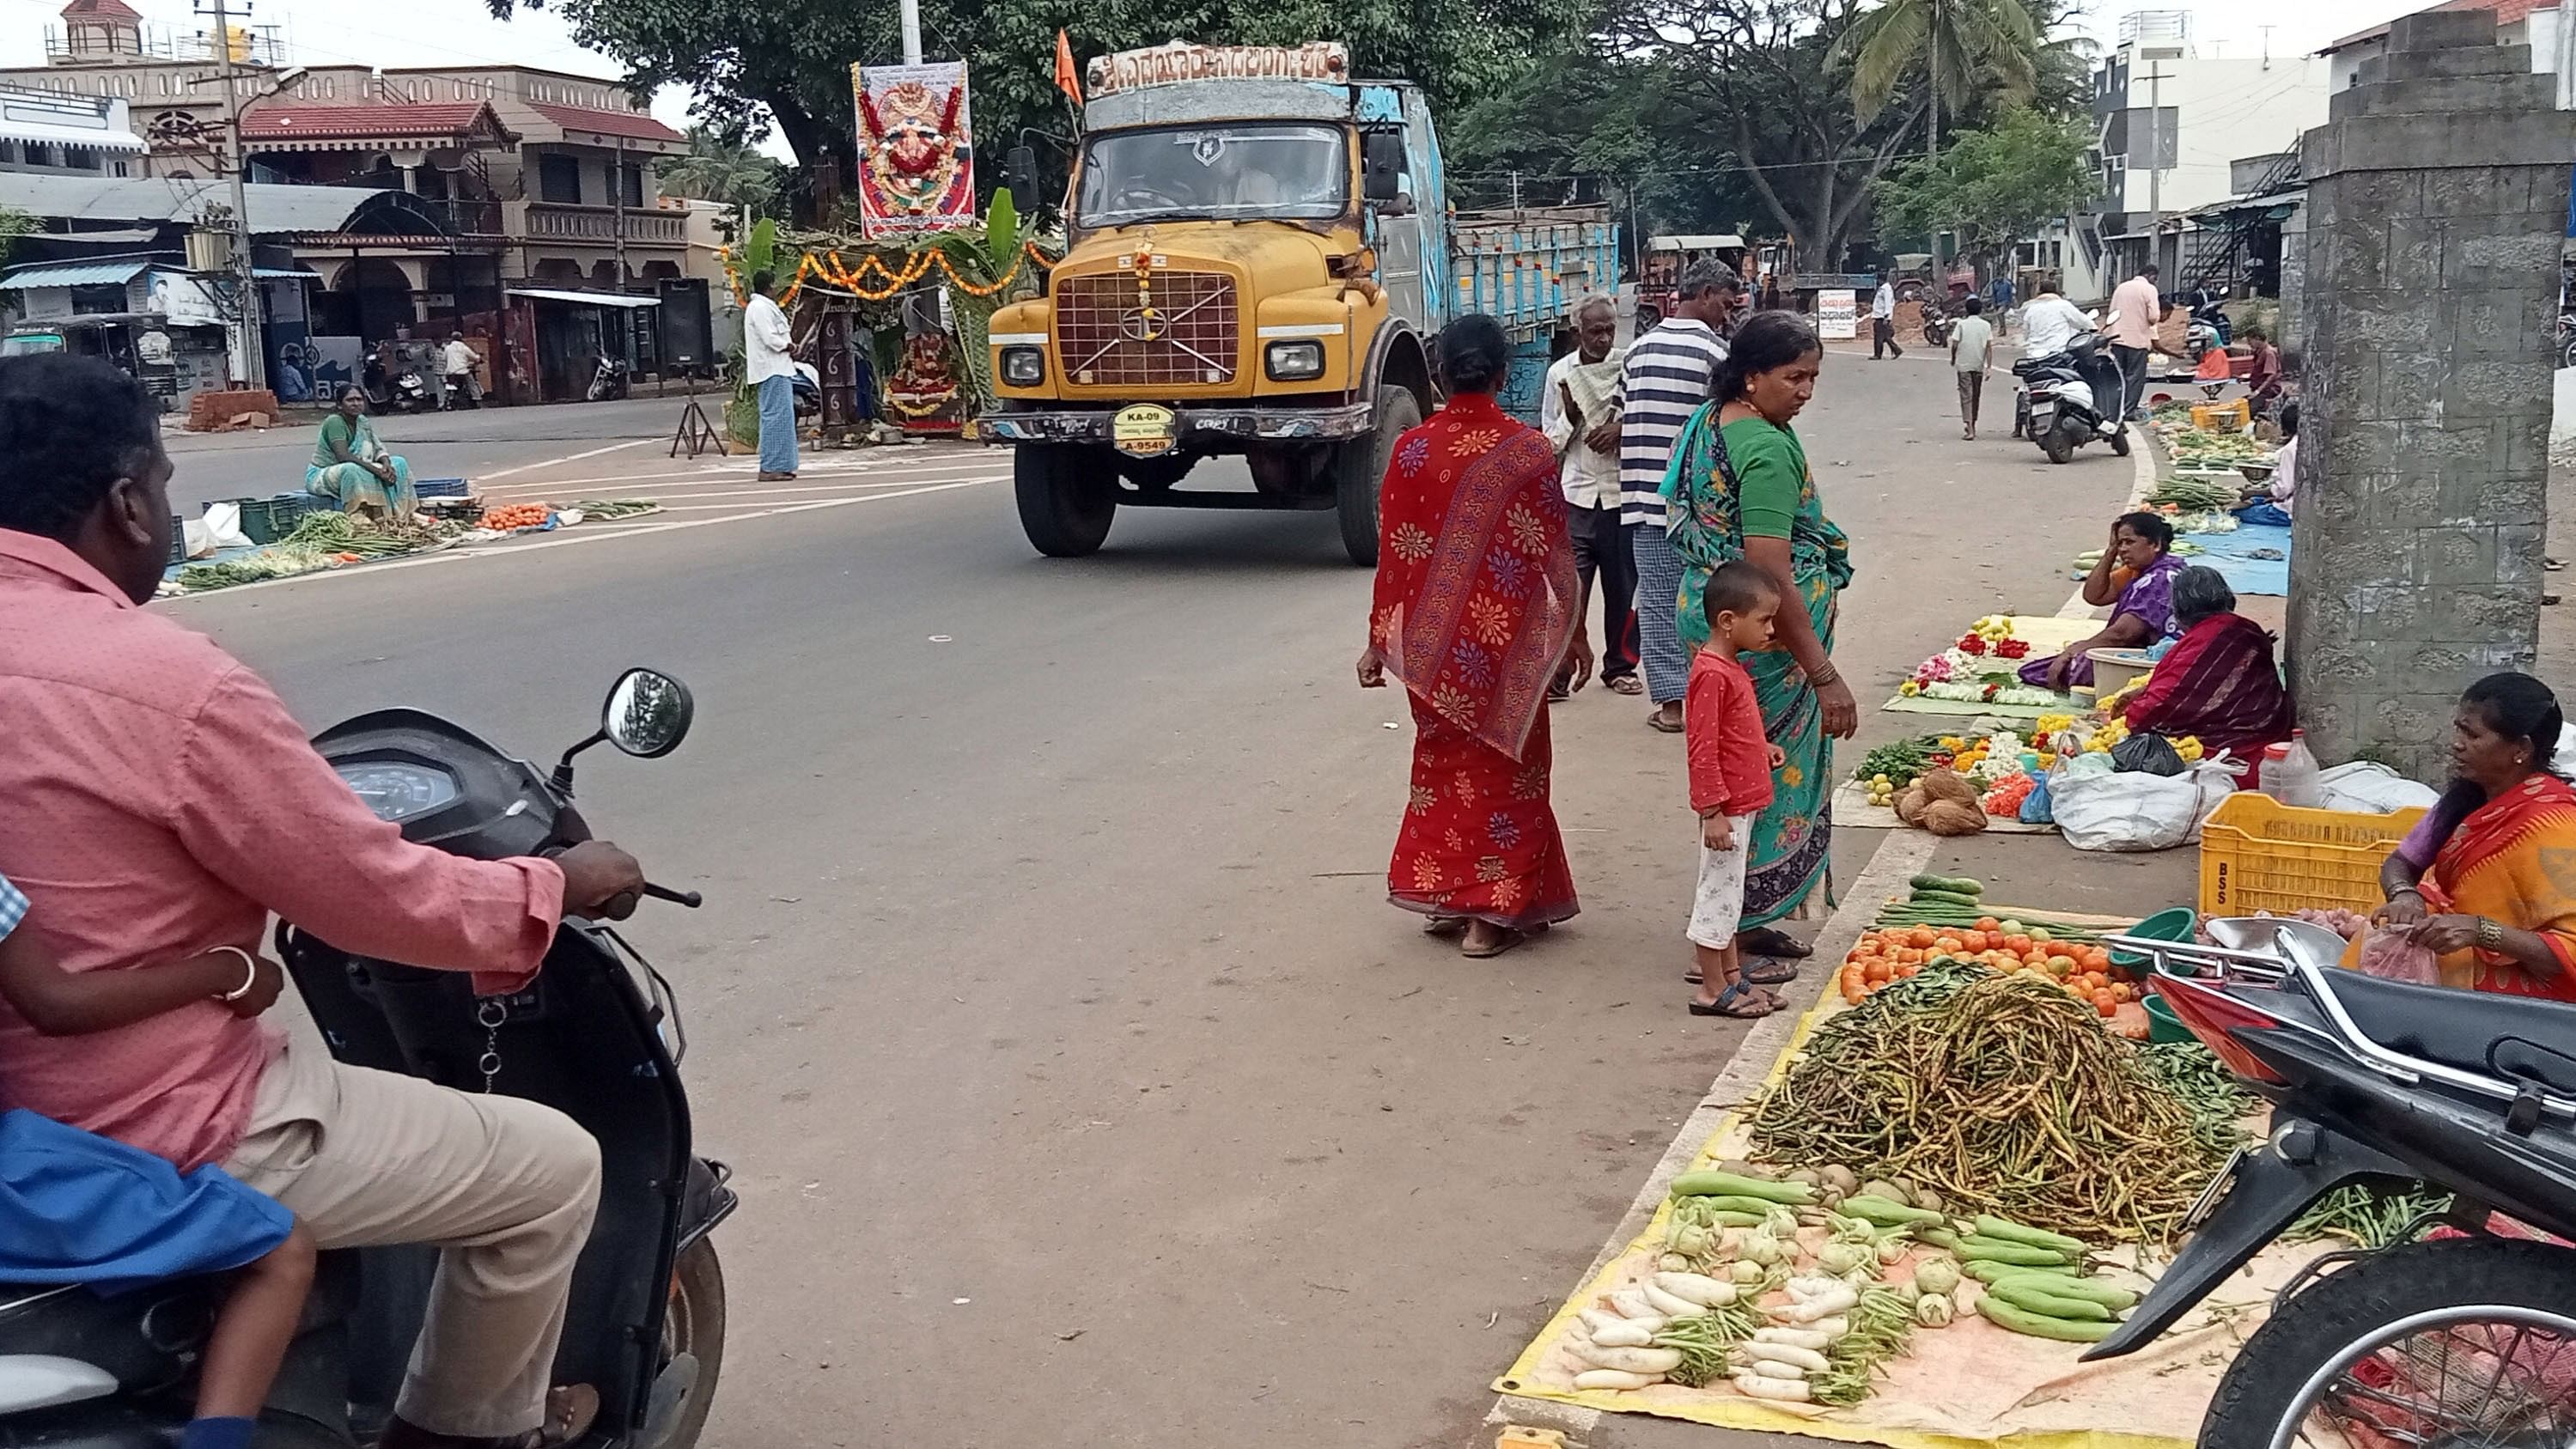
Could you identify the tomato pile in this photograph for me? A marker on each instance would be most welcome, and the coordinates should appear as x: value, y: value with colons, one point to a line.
x: 1896, y: 952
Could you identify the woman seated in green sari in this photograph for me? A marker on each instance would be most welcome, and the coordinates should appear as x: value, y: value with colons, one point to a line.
x: 1740, y: 488
x: 351, y: 467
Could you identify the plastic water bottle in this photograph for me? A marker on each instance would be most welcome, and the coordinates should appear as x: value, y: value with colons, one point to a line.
x: 2290, y: 773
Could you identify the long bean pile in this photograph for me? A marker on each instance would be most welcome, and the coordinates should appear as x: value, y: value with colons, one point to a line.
x: 2193, y: 1074
x: 2367, y: 1215
x: 2005, y: 1095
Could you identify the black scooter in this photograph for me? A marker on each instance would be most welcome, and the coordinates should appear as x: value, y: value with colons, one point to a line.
x: 2466, y: 1341
x: 2071, y: 398
x: 597, y: 1036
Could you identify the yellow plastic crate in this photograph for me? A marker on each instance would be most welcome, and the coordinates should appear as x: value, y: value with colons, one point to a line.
x: 2257, y: 854
x: 2234, y: 417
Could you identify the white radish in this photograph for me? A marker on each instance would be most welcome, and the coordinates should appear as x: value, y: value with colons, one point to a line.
x: 1693, y: 1287
x: 1629, y: 1360
x: 1629, y: 1303
x: 1823, y: 1305
x: 1614, y: 1379
x: 1594, y: 1320
x: 1772, y: 1368
x: 1831, y: 1328
x: 1813, y: 1285
x: 1626, y: 1333
x: 1809, y: 1338
x: 1763, y: 1386
x: 1789, y: 1353
x: 1668, y: 1304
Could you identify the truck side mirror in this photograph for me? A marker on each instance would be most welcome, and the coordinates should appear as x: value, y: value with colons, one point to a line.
x: 1020, y: 173
x: 1382, y: 166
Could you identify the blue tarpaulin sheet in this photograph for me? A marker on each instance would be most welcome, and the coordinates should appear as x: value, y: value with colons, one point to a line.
x: 2229, y: 554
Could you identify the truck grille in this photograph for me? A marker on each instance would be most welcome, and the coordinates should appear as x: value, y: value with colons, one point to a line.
x: 1106, y: 340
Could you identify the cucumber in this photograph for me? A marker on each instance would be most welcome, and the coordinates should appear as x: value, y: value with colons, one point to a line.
x: 1949, y: 899
x: 1709, y: 1183
x: 2040, y: 1325
x: 1737, y: 1203
x: 2006, y: 1230
x: 1883, y: 1213
x: 2084, y: 1290
x: 1996, y: 1250
x: 1955, y: 885
x: 2033, y: 1295
x: 1989, y: 1272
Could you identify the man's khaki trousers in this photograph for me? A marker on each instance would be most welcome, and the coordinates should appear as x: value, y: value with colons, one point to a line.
x: 504, y: 1186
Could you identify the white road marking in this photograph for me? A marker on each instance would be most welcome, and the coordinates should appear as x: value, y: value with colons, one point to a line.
x: 514, y: 550
x: 774, y: 491
x: 569, y: 458
x: 737, y: 474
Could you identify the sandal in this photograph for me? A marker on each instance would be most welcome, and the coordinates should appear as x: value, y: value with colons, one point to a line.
x: 1656, y: 722
x: 1444, y: 925
x: 1740, y: 1001
x: 1764, y: 941
x: 1625, y: 684
x: 1510, y: 938
x: 1771, y: 973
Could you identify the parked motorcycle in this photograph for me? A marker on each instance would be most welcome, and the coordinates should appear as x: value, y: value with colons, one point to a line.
x: 608, y: 379
x: 2070, y: 399
x: 2466, y: 1341
x: 1937, y: 321
x: 409, y: 392
x: 597, y: 1035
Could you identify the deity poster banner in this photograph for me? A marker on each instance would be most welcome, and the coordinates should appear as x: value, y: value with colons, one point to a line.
x: 916, y: 154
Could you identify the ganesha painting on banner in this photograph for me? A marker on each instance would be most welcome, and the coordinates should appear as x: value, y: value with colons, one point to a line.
x: 916, y: 155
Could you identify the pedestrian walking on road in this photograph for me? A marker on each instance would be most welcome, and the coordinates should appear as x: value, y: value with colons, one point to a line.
x: 1577, y: 412
x: 1666, y: 378
x: 1743, y: 490
x: 1972, y: 353
x: 2000, y: 294
x: 1474, y: 613
x: 1882, y: 321
x: 1730, y: 779
x: 771, y: 372
x: 2137, y: 309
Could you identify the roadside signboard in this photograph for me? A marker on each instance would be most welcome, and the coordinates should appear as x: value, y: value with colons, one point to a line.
x: 1838, y: 315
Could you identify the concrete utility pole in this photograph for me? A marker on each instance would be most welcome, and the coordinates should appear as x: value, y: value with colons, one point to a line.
x: 254, y: 363
x: 617, y: 194
x: 2155, y: 166
x: 911, y: 12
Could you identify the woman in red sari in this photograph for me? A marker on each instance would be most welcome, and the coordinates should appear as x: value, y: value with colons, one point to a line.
x: 1475, y: 609
x: 2218, y: 682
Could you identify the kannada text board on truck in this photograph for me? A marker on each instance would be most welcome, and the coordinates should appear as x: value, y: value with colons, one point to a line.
x: 1261, y: 256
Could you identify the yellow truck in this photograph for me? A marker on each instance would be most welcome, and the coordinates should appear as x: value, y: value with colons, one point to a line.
x: 1261, y: 256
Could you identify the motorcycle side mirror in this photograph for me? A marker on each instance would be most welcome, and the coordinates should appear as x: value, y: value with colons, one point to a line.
x: 647, y: 715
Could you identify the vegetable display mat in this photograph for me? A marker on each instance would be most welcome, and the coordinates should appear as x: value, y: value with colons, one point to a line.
x: 1965, y: 1386
x: 1852, y: 810
x: 2046, y: 634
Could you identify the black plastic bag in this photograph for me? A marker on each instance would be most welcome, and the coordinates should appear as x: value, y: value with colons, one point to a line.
x: 2149, y: 754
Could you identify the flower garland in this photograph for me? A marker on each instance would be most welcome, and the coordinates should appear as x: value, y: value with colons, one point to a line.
x: 853, y: 281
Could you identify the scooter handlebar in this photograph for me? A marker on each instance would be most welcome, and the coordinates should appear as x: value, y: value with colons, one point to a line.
x: 691, y: 899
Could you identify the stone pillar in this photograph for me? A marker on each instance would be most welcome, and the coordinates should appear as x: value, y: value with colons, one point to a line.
x: 2437, y: 197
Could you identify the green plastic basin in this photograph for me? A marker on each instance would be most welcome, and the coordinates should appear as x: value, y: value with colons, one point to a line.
x: 2173, y: 925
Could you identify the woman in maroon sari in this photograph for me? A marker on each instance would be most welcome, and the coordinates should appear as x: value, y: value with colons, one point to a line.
x: 2218, y: 682
x: 1475, y: 609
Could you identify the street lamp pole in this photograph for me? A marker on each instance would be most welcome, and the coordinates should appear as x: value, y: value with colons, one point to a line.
x: 911, y: 13
x: 254, y: 364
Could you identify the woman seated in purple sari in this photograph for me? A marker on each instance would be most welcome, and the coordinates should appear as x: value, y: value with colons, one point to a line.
x: 2135, y: 577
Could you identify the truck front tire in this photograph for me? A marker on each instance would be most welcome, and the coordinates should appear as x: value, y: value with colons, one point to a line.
x: 1068, y: 497
x: 1359, y: 467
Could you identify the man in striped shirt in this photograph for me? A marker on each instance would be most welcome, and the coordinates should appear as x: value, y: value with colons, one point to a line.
x: 1665, y: 381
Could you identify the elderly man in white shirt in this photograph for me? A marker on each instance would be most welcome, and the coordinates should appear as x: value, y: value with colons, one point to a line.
x: 1882, y: 321
x: 1578, y: 410
x: 772, y: 375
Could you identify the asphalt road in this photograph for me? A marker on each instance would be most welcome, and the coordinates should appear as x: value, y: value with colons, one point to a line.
x: 1081, y: 1086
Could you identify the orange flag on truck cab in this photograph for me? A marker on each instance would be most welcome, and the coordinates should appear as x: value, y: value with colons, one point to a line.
x: 1067, y: 79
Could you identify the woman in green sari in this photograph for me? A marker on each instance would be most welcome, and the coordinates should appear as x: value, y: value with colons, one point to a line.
x: 352, y: 469
x: 1742, y: 489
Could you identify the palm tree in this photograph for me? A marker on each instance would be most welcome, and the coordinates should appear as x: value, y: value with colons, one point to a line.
x: 1967, y: 45
x: 718, y: 169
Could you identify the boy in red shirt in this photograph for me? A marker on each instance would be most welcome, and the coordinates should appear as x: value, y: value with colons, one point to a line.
x: 1730, y: 779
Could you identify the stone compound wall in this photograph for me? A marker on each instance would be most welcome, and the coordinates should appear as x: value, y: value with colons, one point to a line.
x: 2437, y: 199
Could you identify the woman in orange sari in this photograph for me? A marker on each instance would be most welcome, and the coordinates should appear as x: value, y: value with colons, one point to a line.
x: 1475, y: 609
x: 2487, y: 882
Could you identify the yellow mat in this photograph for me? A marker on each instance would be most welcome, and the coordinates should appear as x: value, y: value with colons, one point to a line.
x: 1970, y: 1385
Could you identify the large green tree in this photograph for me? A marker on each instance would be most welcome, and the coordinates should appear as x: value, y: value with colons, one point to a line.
x: 758, y: 62
x: 1994, y: 186
x: 724, y: 169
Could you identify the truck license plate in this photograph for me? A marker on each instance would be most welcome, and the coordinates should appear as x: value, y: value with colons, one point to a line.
x: 1143, y: 430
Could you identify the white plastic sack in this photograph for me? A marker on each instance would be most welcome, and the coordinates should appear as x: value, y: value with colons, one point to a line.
x: 2138, y: 811
x: 2372, y: 789
x: 223, y: 530
x: 2565, y: 759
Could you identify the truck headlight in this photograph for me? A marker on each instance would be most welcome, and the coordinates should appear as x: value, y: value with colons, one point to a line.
x: 1023, y: 366
x: 1295, y: 361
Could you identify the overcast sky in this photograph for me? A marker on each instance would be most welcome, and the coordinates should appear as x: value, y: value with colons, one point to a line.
x: 462, y: 32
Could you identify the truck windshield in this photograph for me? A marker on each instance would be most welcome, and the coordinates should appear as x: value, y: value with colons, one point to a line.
x: 1228, y: 172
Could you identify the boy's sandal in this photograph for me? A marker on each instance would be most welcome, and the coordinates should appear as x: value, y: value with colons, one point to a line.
x: 1765, y: 941
x: 1740, y: 1000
